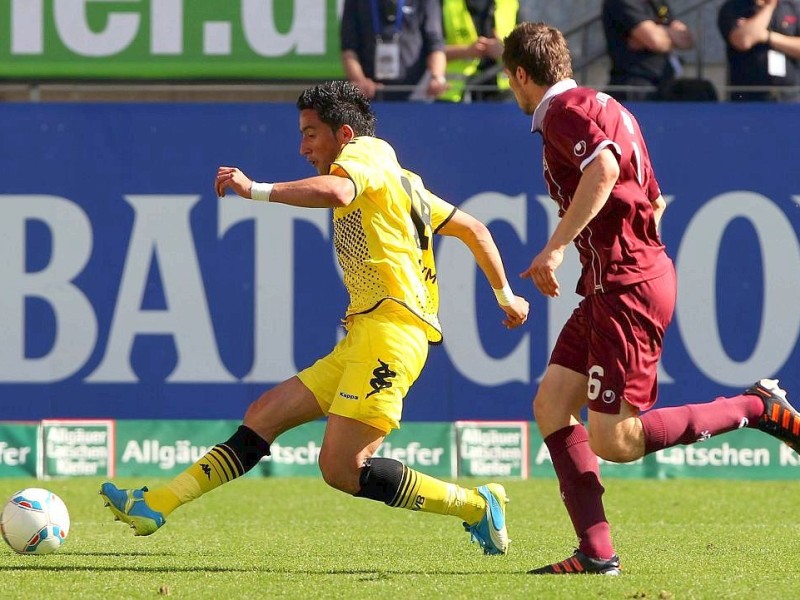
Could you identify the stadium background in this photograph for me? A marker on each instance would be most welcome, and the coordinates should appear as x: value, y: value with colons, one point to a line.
x: 130, y: 292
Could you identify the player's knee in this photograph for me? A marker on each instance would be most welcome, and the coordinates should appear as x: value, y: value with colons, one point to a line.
x: 251, y: 414
x: 256, y: 410
x: 550, y: 414
x: 615, y: 445
x: 332, y: 478
x: 544, y: 410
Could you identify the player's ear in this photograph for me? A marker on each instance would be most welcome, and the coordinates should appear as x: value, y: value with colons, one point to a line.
x: 345, y: 134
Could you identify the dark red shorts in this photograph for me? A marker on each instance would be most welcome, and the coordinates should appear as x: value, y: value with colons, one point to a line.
x: 615, y: 339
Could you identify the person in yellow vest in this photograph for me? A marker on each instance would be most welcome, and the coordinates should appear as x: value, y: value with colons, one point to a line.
x: 474, y: 32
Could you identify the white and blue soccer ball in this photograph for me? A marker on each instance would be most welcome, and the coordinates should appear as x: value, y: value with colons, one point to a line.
x: 34, y: 521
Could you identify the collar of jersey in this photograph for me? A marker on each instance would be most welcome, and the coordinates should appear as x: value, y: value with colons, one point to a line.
x: 553, y: 91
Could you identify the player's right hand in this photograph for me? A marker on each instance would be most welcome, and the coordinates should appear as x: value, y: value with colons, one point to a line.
x: 233, y: 179
x: 543, y: 271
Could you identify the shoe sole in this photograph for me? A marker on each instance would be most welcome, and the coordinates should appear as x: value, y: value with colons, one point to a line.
x: 608, y: 572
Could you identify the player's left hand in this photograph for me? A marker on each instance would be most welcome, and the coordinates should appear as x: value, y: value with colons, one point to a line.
x: 233, y: 179
x: 543, y: 271
x: 516, y: 312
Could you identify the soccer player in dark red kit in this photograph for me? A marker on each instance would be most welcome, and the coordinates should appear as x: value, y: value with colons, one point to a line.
x: 598, y: 170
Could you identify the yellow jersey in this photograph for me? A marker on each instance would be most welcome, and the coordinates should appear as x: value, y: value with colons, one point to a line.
x: 384, y: 237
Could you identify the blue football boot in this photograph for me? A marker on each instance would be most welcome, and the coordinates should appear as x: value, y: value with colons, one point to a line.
x: 130, y: 506
x: 490, y: 532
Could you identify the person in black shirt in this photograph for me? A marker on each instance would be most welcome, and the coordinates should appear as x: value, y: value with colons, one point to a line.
x: 394, y: 43
x: 641, y: 36
x: 762, y: 38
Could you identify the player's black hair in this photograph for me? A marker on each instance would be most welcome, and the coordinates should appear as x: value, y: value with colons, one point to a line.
x: 340, y: 103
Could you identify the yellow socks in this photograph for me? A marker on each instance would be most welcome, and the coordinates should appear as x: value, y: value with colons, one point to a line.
x: 223, y: 463
x: 219, y: 465
x: 386, y: 480
x: 428, y: 494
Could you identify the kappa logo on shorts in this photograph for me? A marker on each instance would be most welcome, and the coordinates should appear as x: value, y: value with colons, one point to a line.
x: 381, y: 380
x: 348, y: 396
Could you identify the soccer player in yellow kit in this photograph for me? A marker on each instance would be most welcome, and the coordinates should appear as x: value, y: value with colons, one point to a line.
x: 384, y: 220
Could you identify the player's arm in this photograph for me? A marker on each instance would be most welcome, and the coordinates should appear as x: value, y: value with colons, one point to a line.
x: 659, y: 206
x: 592, y: 193
x: 321, y: 191
x: 478, y: 239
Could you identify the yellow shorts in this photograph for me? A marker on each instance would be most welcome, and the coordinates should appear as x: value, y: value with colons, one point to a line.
x: 370, y: 371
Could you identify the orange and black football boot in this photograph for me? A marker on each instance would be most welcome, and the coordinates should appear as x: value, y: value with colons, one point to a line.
x: 780, y: 418
x: 581, y: 564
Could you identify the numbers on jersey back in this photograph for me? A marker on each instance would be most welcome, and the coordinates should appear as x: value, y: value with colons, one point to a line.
x: 420, y: 213
x: 627, y: 120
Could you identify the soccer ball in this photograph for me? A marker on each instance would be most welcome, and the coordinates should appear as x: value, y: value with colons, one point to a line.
x: 34, y: 521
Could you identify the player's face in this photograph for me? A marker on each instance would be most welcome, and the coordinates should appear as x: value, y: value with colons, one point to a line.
x: 319, y: 144
x: 520, y: 94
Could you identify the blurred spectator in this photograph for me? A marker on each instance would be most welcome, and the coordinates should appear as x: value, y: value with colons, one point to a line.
x: 642, y: 36
x: 474, y: 32
x: 762, y: 39
x: 394, y: 43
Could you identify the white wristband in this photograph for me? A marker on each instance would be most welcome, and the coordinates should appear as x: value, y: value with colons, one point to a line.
x: 260, y: 191
x: 505, y: 297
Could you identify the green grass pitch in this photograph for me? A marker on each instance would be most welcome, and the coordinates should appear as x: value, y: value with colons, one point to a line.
x: 297, y: 538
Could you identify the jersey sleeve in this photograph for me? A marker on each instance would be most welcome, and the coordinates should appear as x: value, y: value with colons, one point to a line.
x: 353, y: 162
x: 441, y: 211
x: 577, y: 138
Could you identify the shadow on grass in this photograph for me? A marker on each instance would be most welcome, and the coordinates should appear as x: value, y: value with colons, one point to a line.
x: 128, y: 569
x: 112, y: 554
x: 362, y: 574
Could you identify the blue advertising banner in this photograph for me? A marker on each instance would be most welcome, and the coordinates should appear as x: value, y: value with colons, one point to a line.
x: 128, y: 290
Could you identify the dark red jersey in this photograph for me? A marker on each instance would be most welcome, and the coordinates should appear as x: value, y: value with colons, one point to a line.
x: 621, y: 245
